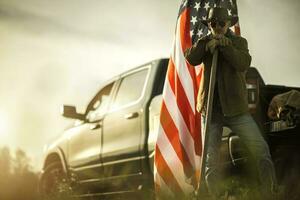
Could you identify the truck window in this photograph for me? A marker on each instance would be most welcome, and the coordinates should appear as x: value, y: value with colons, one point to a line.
x: 131, y: 89
x: 100, y: 103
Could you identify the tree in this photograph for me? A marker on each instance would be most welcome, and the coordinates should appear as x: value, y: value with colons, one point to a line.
x: 17, y: 179
x: 5, y: 173
x: 5, y: 160
x: 21, y: 163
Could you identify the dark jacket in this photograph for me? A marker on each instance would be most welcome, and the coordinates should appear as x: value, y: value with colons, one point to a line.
x: 233, y: 62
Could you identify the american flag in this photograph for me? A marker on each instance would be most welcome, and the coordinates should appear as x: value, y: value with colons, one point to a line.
x: 179, y: 144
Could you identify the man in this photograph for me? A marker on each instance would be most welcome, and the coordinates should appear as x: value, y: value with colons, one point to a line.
x: 230, y: 106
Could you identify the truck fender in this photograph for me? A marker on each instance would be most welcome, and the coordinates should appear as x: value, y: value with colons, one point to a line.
x: 56, y: 154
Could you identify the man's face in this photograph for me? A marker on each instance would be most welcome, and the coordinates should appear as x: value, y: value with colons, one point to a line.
x: 218, y: 28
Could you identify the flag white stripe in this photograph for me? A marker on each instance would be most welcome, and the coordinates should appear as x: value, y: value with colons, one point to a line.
x: 163, y: 186
x: 184, y: 135
x: 172, y: 160
x: 170, y: 156
x: 182, y: 69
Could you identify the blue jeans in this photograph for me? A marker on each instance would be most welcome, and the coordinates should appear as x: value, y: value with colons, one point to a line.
x: 246, y: 128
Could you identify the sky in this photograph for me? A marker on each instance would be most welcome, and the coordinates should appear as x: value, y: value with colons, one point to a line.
x: 60, y: 51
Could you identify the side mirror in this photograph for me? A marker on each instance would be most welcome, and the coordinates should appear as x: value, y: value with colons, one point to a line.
x: 70, y: 112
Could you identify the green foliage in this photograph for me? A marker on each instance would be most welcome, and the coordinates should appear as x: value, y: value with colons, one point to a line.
x: 18, y: 181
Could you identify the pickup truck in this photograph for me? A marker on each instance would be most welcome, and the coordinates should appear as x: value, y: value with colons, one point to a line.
x: 110, y: 148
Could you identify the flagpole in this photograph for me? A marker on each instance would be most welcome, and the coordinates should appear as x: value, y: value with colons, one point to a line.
x: 207, y: 123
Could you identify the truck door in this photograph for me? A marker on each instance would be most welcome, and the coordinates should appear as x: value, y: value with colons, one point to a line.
x: 85, y: 140
x: 122, y: 130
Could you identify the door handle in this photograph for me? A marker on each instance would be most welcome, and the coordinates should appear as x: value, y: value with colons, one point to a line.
x: 95, y: 126
x: 131, y: 115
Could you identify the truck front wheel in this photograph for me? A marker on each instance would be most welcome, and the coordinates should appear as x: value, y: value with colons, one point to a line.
x: 54, y: 183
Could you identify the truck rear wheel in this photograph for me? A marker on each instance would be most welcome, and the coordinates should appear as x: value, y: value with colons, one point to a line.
x: 287, y: 162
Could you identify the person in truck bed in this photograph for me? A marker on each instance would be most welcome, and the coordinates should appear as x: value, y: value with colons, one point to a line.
x: 230, y: 106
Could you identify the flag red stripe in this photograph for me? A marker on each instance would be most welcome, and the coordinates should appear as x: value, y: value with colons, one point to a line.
x: 197, y: 131
x: 195, y: 78
x: 237, y: 29
x: 181, y: 97
x: 165, y: 172
x: 172, y: 133
x: 185, y: 137
x: 186, y: 42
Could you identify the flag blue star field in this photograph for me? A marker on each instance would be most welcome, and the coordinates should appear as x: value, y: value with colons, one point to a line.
x: 179, y: 145
x: 199, y: 11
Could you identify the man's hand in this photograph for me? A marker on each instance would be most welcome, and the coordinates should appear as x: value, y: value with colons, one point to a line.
x: 224, y: 41
x: 211, y: 45
x: 218, y: 40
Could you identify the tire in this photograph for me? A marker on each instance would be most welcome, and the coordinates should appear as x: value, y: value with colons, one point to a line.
x: 54, y: 183
x: 287, y: 162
